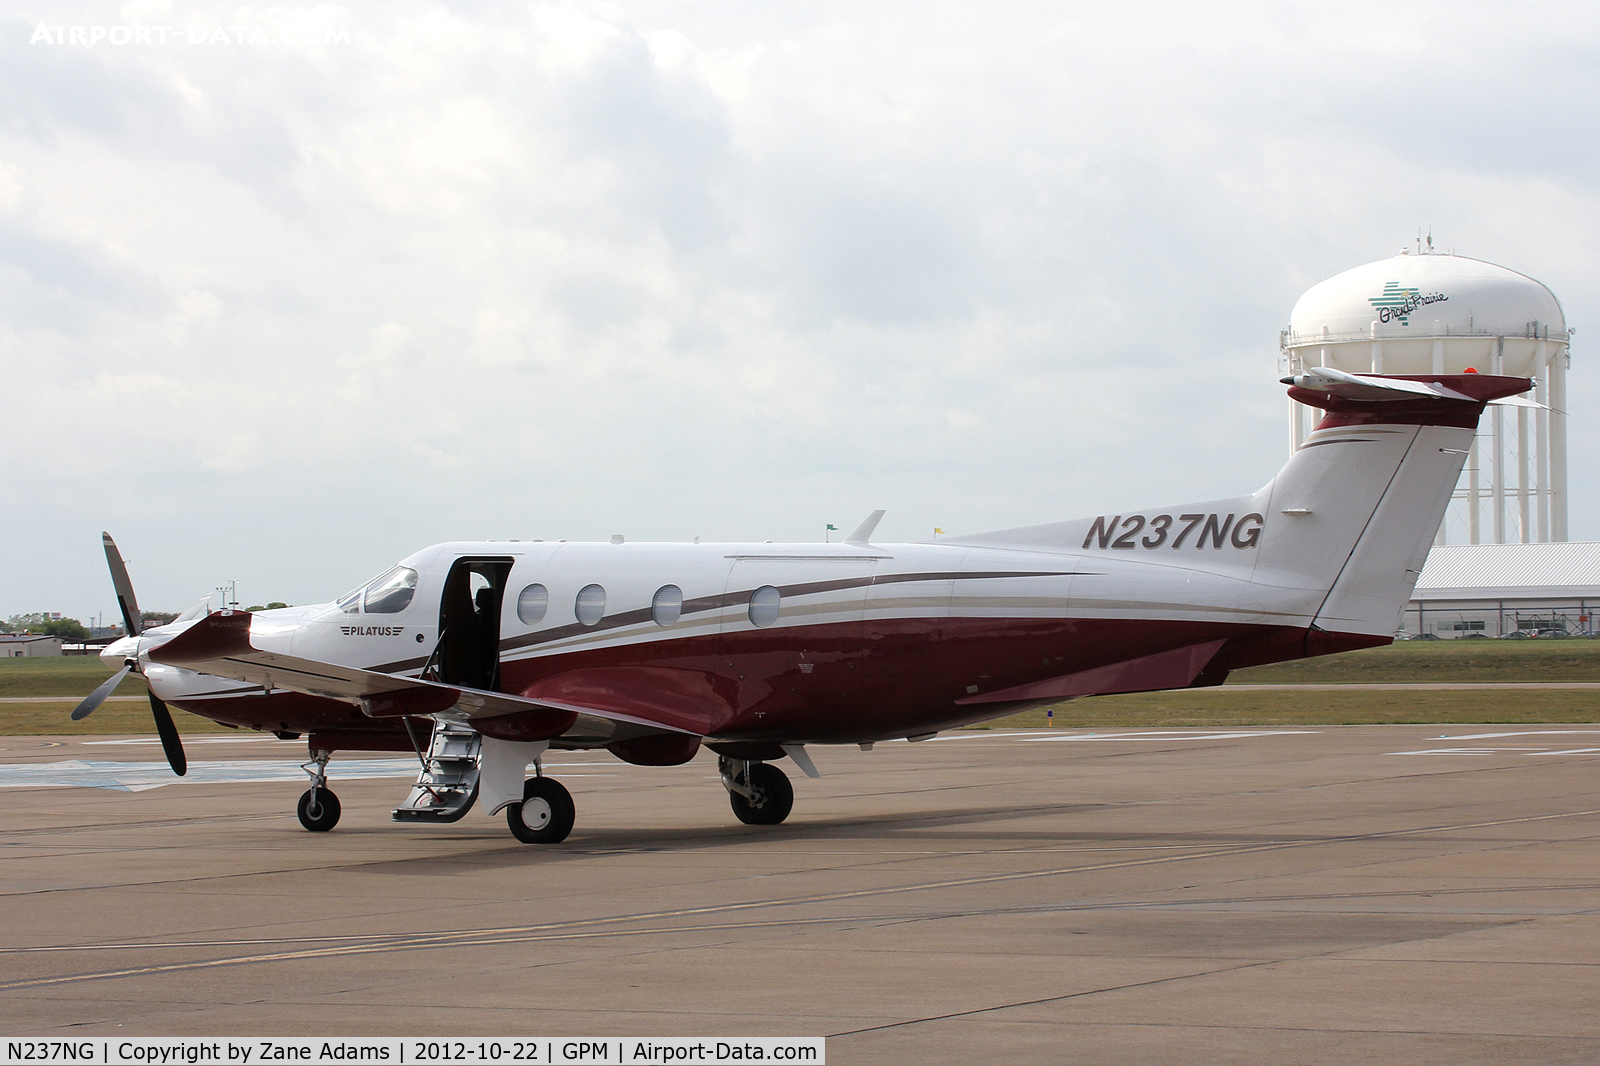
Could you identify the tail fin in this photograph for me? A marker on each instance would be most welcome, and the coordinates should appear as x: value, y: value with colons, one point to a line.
x: 1362, y: 499
x: 1325, y: 556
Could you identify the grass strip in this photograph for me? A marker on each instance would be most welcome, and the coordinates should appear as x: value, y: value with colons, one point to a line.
x: 50, y: 718
x: 1413, y: 661
x: 1219, y: 707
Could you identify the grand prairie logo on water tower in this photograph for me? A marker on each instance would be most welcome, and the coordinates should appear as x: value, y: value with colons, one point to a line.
x: 1398, y: 301
x: 1376, y: 318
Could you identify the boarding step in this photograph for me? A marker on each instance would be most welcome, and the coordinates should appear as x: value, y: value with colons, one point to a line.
x: 448, y: 784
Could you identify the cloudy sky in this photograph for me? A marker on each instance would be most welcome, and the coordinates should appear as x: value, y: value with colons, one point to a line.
x: 291, y: 291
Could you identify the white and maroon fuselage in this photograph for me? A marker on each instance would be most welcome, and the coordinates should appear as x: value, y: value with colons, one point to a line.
x: 754, y: 645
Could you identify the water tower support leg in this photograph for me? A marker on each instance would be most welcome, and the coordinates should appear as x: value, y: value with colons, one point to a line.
x: 1524, y: 523
x: 1474, y: 504
x: 1558, y: 447
x: 1497, y: 421
x: 1541, y: 462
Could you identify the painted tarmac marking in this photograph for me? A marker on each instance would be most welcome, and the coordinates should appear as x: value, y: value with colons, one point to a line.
x: 1522, y: 749
x: 1464, y: 751
x: 1172, y: 734
x: 517, y: 934
x: 142, y: 776
x: 1522, y: 733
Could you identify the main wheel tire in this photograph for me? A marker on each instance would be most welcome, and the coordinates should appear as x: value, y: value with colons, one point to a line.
x: 771, y: 796
x: 318, y: 809
x: 546, y: 813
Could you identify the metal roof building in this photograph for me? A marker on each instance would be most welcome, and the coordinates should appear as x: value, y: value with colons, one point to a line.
x: 1496, y: 589
x: 29, y: 645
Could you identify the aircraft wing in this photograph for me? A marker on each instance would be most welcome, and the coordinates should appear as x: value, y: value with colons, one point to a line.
x: 219, y: 644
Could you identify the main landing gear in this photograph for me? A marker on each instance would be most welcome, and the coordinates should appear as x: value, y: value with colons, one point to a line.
x: 759, y: 792
x: 318, y: 809
x: 545, y: 814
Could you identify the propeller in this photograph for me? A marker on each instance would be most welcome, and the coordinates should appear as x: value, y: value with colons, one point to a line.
x: 171, y: 743
x: 98, y: 696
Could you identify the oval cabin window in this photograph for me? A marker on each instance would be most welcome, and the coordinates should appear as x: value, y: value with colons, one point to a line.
x: 764, y: 606
x: 591, y: 604
x: 667, y: 607
x: 532, y: 604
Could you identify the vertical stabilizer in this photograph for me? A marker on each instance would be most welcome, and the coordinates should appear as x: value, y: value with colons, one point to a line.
x: 1386, y: 457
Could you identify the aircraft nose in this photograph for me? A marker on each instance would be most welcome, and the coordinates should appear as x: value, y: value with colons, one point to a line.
x: 114, y: 653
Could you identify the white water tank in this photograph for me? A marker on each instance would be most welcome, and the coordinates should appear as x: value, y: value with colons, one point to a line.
x: 1427, y: 312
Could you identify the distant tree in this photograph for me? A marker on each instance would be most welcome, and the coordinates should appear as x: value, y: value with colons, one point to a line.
x: 69, y: 630
x: 157, y: 618
x: 273, y: 606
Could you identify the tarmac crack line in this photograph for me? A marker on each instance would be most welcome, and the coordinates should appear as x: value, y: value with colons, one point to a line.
x: 1333, y: 953
x: 1055, y: 999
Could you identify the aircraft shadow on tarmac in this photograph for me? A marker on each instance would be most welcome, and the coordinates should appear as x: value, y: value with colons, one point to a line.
x: 950, y: 825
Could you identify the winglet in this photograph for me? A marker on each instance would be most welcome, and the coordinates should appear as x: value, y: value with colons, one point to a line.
x: 863, y: 532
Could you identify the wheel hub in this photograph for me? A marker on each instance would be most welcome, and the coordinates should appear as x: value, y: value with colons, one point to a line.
x: 537, y: 812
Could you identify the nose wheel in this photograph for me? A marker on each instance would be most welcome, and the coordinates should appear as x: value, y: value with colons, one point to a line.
x: 546, y: 813
x: 318, y: 809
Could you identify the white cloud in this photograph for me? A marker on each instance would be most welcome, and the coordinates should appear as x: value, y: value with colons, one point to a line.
x: 282, y: 313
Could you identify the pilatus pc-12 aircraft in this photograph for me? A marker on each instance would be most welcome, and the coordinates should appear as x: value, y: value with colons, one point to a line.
x: 483, y: 656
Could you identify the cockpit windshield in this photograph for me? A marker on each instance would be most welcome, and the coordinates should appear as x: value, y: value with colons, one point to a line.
x: 389, y: 593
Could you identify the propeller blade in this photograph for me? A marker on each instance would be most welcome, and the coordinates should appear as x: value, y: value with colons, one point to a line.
x: 124, y: 587
x: 98, y: 696
x: 170, y: 742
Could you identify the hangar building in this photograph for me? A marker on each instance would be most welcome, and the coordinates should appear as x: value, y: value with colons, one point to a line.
x: 27, y: 645
x: 1495, y: 590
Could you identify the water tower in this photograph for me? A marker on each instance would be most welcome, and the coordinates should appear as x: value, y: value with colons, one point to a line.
x: 1427, y: 312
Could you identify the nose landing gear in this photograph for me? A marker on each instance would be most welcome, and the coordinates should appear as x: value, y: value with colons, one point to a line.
x: 318, y: 809
x: 759, y: 792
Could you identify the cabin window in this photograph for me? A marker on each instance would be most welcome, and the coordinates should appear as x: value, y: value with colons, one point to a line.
x: 532, y: 603
x: 667, y: 607
x: 391, y: 593
x: 764, y: 606
x: 591, y: 604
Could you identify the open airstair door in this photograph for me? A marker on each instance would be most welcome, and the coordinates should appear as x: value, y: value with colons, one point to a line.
x: 468, y: 654
x: 469, y: 623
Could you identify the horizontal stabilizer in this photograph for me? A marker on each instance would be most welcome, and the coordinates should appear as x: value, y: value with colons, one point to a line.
x: 219, y: 644
x: 1388, y: 388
